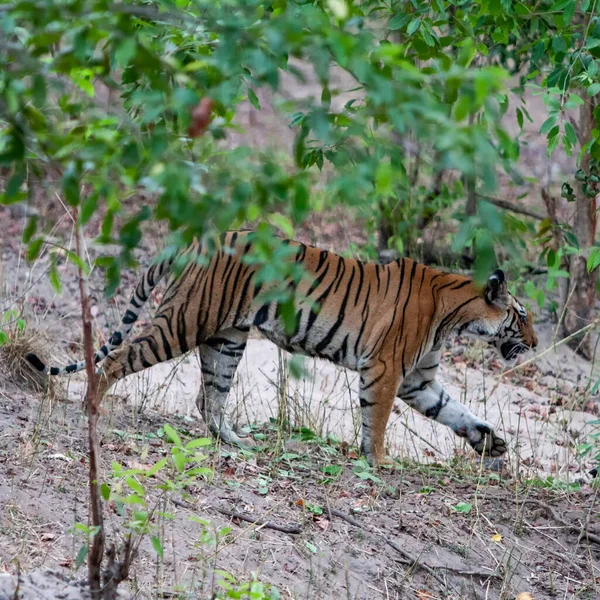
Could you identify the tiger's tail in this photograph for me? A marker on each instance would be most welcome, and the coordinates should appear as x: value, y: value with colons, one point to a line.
x: 147, y: 283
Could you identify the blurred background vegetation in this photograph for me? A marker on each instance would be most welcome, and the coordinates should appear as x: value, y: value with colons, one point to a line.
x: 408, y: 116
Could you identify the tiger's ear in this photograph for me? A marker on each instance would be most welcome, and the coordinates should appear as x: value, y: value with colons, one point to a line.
x: 496, y: 290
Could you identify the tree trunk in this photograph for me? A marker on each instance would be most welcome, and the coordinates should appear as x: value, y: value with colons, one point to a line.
x: 96, y: 551
x: 581, y: 290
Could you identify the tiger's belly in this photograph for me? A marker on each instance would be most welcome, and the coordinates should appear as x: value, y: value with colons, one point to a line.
x: 314, y: 343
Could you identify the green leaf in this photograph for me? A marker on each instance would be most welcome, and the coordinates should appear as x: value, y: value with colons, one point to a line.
x: 570, y: 133
x: 573, y: 101
x: 332, y: 470
x: 179, y: 460
x: 520, y: 118
x: 70, y: 185
x: 548, y: 124
x: 81, y: 556
x: 462, y: 507
x: 34, y: 248
x: 14, y: 184
x: 326, y: 97
x: 30, y: 229
x: 157, y: 545
x: 88, y: 208
x: 253, y: 98
x: 54, y: 278
x: 199, y: 443
x: 172, y: 435
x: 311, y: 547
x: 105, y: 491
x: 413, y: 26
x: 593, y: 261
x: 398, y: 21
x: 593, y: 89
x: 135, y: 485
x: 156, y: 467
x: 592, y: 43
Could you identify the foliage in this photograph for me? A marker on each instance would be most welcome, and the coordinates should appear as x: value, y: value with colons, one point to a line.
x: 155, y: 61
x: 140, y: 495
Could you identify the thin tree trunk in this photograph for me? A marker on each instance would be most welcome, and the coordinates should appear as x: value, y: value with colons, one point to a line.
x: 555, y: 243
x: 581, y: 292
x: 96, y: 551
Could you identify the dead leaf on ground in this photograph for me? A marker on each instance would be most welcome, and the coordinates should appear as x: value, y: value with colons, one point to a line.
x: 424, y: 595
x: 524, y: 596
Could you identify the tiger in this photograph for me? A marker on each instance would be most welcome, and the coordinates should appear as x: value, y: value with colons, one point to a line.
x: 386, y: 322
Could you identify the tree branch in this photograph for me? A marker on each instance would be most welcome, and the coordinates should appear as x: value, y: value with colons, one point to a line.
x: 97, y: 549
x: 506, y: 205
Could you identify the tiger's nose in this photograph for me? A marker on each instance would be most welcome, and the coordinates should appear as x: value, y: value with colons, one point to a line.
x: 534, y: 343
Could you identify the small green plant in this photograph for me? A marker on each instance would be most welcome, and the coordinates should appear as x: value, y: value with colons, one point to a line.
x: 591, y: 448
x: 462, y: 507
x: 11, y: 320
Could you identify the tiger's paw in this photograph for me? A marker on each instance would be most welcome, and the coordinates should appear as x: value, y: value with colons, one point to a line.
x: 228, y: 436
x: 485, y: 441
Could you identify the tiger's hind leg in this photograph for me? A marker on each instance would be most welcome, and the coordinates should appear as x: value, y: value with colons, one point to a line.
x: 153, y: 346
x: 377, y: 392
x: 220, y: 356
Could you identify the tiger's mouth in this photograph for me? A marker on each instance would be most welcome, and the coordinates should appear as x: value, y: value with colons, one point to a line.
x: 511, y: 350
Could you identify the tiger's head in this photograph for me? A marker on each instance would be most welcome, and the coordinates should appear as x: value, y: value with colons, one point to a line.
x: 503, y: 322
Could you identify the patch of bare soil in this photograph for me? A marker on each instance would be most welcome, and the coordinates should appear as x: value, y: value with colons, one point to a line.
x: 453, y: 530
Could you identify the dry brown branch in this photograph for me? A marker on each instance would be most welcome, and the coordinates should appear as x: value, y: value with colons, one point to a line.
x: 97, y: 545
x: 408, y: 558
x: 293, y: 529
x: 117, y: 570
x: 582, y: 531
x: 506, y: 205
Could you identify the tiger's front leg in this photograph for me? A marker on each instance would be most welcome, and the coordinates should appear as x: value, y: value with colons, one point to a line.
x: 420, y: 391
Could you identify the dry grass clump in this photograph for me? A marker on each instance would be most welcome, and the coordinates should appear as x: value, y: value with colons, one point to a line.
x: 15, y: 342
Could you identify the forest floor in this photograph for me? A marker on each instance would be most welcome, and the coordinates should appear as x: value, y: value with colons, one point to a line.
x: 439, y: 524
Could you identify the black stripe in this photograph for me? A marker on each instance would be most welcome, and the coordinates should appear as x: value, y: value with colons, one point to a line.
x: 322, y: 258
x: 360, y: 282
x: 242, y: 301
x: 317, y: 281
x: 340, y: 355
x: 130, y: 357
x: 341, y: 275
x: 129, y: 317
x: 342, y: 313
x: 440, y: 330
x: 462, y: 285
x: 181, y: 329
x: 262, y: 315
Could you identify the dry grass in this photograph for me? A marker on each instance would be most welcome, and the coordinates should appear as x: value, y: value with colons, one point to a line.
x: 20, y: 341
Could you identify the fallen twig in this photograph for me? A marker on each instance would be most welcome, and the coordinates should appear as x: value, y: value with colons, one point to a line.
x: 294, y: 529
x: 408, y: 558
x: 268, y: 524
x: 582, y: 531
